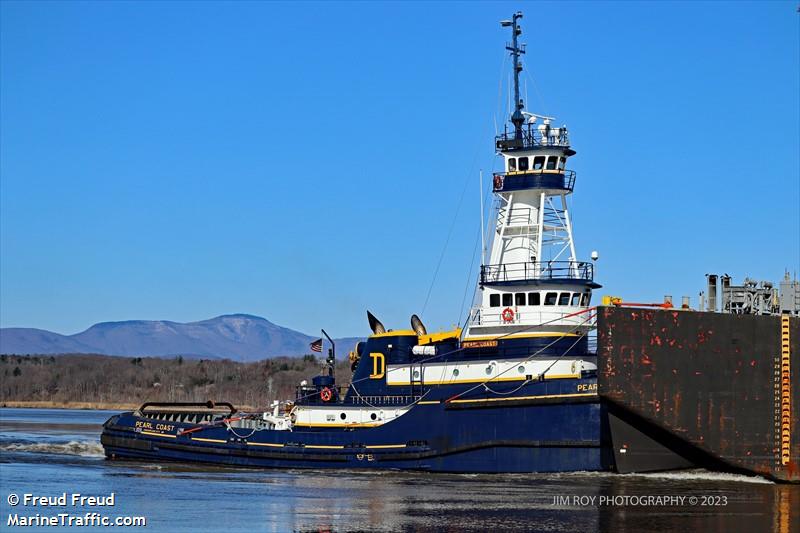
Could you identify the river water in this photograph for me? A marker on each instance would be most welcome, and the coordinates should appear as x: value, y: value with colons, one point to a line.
x: 50, y: 452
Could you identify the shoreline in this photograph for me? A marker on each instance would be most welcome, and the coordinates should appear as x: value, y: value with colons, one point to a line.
x: 88, y: 406
x: 99, y: 406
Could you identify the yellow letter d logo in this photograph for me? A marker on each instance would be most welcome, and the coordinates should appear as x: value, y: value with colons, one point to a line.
x: 378, y: 365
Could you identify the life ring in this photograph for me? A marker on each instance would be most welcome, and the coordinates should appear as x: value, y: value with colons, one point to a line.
x: 507, y: 315
x: 498, y: 182
x: 326, y: 394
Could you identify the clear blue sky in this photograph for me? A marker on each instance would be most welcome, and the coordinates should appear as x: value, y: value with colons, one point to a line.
x: 304, y: 162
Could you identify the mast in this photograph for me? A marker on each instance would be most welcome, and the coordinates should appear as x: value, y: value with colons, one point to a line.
x: 517, y: 118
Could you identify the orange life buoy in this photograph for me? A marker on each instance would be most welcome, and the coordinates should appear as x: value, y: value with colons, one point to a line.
x: 326, y: 394
x: 508, y: 315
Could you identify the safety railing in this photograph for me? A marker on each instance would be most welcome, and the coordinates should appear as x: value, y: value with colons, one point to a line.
x: 537, y: 270
x: 384, y: 400
x: 522, y: 317
x: 533, y: 136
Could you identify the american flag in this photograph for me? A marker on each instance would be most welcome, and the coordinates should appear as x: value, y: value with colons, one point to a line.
x: 316, y: 346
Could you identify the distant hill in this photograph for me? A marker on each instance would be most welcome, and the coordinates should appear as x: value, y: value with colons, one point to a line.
x: 239, y: 337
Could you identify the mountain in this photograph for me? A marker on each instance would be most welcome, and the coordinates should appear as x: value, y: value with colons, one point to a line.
x: 40, y: 341
x: 239, y: 337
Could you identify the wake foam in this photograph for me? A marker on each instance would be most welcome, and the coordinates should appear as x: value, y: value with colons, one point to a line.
x: 705, y: 475
x: 73, y: 447
x: 697, y: 474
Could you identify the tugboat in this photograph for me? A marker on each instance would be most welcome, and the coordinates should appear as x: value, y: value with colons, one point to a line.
x: 514, y: 390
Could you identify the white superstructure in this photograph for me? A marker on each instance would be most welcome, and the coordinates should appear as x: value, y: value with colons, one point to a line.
x: 533, y: 283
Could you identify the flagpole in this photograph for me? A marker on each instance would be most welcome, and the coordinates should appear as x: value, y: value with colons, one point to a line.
x: 483, y: 244
x: 332, y: 358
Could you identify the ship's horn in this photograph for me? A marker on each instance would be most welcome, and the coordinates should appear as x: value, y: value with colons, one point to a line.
x: 418, y: 326
x: 375, y: 324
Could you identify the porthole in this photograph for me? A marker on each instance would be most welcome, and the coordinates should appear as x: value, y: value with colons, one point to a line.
x: 521, y: 369
x: 343, y: 416
x: 416, y: 374
x: 455, y: 372
x: 373, y: 416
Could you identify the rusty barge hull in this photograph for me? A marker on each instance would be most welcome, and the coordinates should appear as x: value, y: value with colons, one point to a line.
x: 686, y: 388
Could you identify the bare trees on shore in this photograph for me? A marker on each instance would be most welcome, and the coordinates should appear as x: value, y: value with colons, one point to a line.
x: 111, y: 379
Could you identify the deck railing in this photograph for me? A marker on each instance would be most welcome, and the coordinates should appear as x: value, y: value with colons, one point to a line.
x: 537, y: 270
x: 524, y: 316
x: 532, y: 136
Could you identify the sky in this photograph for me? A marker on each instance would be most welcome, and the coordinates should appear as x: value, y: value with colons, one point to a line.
x: 306, y: 162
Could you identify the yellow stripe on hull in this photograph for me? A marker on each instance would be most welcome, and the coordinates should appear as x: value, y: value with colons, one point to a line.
x: 467, y: 381
x: 153, y: 434
x: 543, y: 397
x: 364, y: 425
x: 501, y: 336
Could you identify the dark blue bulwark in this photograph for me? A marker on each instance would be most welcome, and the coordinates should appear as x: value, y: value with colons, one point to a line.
x: 551, y: 346
x: 534, y: 180
x: 516, y: 348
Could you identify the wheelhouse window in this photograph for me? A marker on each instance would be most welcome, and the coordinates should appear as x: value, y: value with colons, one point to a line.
x: 538, y: 162
x: 512, y: 164
x: 563, y: 298
x: 533, y: 298
x: 508, y: 300
x: 562, y: 163
x: 576, y: 299
x: 551, y: 162
x: 494, y: 300
x: 519, y: 298
x: 586, y: 298
x: 523, y: 163
x: 550, y: 298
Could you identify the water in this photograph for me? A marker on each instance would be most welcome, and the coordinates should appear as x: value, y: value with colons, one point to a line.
x: 49, y: 452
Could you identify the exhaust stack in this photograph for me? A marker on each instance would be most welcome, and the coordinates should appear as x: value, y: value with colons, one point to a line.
x: 375, y: 324
x: 418, y: 326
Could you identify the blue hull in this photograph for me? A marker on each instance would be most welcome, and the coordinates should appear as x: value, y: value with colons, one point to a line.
x: 546, y: 427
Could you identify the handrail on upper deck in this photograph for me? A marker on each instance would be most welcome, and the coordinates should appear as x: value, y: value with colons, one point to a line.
x: 537, y: 270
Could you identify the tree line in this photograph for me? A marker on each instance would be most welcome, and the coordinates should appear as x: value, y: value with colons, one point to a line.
x: 113, y: 379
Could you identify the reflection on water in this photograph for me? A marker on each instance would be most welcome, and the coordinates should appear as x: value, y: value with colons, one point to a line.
x: 49, y: 452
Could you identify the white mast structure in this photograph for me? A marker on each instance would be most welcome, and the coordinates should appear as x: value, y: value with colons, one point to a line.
x: 533, y: 285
